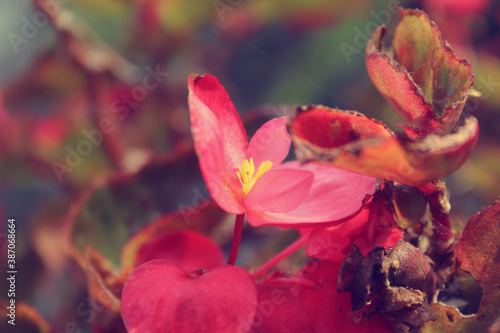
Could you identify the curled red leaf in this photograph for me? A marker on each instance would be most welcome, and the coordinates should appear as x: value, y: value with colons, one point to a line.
x: 420, y: 76
x: 366, y: 146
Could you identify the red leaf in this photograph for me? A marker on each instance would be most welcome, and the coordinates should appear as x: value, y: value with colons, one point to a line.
x: 202, y: 219
x: 425, y: 83
x: 333, y: 128
x: 189, y: 249
x: 365, y: 146
x: 280, y: 311
x: 478, y: 246
x: 161, y: 297
x: 478, y: 252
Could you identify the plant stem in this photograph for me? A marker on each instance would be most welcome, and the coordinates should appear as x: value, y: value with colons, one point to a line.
x: 235, y: 243
x: 440, y: 208
x: 288, y: 251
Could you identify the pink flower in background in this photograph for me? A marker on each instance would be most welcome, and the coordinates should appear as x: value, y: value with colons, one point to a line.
x: 250, y: 177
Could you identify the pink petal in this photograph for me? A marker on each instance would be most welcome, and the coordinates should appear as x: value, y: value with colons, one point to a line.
x: 208, y: 91
x: 216, y: 153
x: 279, y: 190
x: 270, y: 142
x: 335, y: 195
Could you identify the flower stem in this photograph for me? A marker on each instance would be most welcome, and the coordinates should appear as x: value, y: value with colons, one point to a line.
x: 235, y: 244
x: 440, y: 209
x: 288, y: 251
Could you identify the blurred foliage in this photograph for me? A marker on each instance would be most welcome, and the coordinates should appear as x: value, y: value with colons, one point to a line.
x: 89, y: 62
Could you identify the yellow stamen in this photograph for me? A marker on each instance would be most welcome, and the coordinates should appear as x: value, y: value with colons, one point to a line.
x: 247, y: 170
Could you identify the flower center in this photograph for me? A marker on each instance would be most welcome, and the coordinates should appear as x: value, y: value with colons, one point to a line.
x: 247, y: 170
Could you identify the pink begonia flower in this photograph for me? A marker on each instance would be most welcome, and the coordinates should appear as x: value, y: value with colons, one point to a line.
x: 250, y: 178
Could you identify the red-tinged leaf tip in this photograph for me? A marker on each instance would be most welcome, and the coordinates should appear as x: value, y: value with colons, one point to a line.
x: 188, y: 249
x: 396, y: 85
x: 445, y: 80
x: 425, y: 83
x: 162, y: 297
x: 379, y: 153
